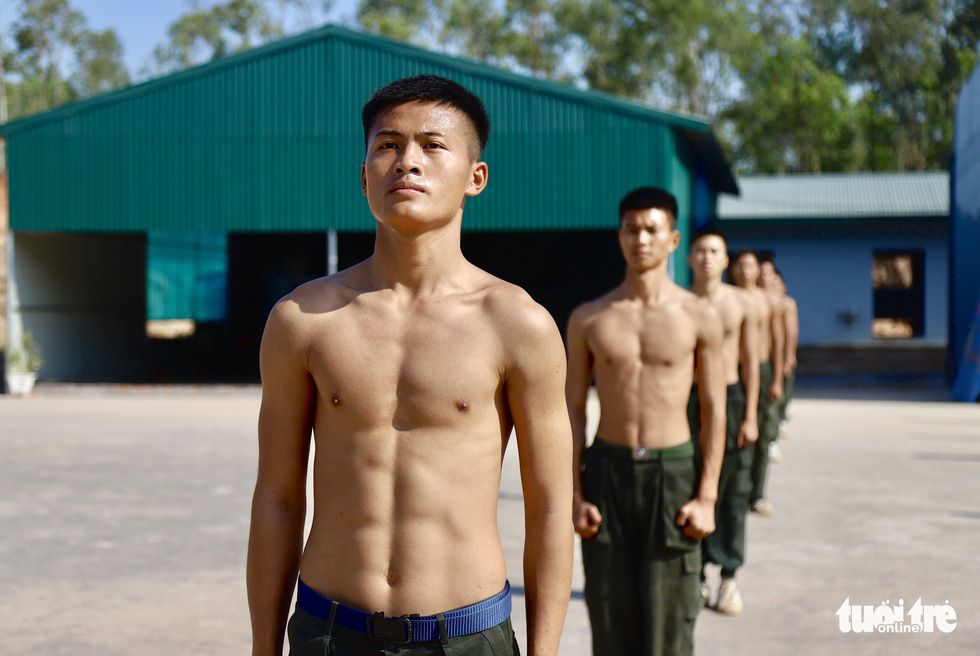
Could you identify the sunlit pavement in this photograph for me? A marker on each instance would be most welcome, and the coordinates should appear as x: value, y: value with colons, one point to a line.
x: 124, y: 519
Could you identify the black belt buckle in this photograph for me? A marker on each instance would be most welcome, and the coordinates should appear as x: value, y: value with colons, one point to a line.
x: 389, y: 629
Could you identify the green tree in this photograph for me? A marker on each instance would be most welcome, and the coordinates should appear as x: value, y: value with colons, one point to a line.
x: 523, y: 35
x: 404, y: 20
x: 56, y: 59
x: 100, y: 63
x: 677, y: 54
x: 43, y: 32
x: 207, y: 33
x: 794, y: 115
x: 616, y: 56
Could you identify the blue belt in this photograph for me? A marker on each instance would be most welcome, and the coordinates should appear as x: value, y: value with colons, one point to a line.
x: 408, y: 628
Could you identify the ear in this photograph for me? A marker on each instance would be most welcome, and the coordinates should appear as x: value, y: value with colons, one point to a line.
x: 478, y: 181
x: 363, y: 179
x: 675, y: 240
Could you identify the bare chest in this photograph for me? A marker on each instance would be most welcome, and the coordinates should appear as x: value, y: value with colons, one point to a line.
x: 659, y: 337
x: 732, y: 317
x: 406, y: 370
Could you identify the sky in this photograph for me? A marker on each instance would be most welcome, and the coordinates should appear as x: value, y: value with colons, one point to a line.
x: 142, y: 24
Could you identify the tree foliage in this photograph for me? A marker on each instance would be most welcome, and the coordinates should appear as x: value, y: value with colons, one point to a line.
x: 54, y: 58
x: 808, y: 85
x: 811, y: 85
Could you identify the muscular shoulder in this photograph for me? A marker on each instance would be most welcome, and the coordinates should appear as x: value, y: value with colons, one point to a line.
x: 706, y: 316
x: 589, y: 310
x: 514, y: 312
x: 526, y: 330
x: 700, y: 308
x: 295, y: 318
x: 312, y: 298
x: 744, y: 299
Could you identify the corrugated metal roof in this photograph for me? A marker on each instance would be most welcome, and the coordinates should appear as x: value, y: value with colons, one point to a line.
x: 839, y: 195
x: 270, y: 141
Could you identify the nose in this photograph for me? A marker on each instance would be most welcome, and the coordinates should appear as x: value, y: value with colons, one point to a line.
x: 410, y: 160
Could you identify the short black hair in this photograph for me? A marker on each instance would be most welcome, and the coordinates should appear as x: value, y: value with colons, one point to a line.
x: 429, y: 88
x: 709, y: 232
x: 645, y: 198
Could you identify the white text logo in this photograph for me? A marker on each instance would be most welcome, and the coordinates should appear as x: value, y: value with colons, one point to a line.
x: 919, y: 618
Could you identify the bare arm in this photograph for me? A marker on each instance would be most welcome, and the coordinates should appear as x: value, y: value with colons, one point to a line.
x: 778, y: 332
x: 279, y: 501
x: 792, y: 323
x: 698, y: 515
x: 748, y: 433
x: 586, y: 517
x: 535, y: 395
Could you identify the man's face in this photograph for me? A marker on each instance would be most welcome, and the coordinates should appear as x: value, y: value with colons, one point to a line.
x: 419, y: 166
x: 708, y: 258
x: 746, y: 270
x: 767, y: 276
x: 647, y: 238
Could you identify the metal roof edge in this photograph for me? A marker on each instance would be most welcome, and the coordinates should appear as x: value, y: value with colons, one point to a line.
x: 835, y: 218
x: 595, y: 98
x: 171, y: 79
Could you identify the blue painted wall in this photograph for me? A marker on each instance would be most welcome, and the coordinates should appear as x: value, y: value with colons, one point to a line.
x: 827, y: 268
x: 965, y: 237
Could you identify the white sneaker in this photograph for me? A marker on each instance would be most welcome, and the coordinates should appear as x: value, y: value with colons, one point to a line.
x: 729, y: 598
x: 763, y: 507
x: 775, y: 453
x: 784, y: 429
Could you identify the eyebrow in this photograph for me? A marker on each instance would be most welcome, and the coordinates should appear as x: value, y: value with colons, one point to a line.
x: 397, y: 133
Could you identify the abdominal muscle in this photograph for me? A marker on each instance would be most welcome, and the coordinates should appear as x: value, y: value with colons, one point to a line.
x: 405, y: 521
x: 643, y: 406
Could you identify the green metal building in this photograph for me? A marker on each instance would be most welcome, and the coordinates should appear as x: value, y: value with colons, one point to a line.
x: 209, y: 193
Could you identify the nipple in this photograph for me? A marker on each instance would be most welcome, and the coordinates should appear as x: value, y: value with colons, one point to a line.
x: 336, y: 400
x: 462, y: 405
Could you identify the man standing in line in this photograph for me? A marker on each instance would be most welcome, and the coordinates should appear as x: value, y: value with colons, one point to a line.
x: 772, y: 280
x: 410, y: 369
x: 708, y: 260
x: 744, y: 272
x: 640, y: 506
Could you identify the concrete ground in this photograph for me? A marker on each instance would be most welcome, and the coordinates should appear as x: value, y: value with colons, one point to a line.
x: 124, y: 517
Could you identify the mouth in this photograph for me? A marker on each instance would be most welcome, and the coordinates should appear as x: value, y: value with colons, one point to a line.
x: 405, y: 187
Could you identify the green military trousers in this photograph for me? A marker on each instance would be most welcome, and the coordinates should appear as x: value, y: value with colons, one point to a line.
x: 783, y: 403
x: 642, y: 584
x: 726, y: 546
x: 768, y: 431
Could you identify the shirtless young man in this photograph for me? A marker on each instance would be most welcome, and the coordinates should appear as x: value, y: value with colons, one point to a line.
x: 744, y: 272
x: 410, y: 369
x: 772, y: 281
x: 708, y: 260
x: 640, y: 506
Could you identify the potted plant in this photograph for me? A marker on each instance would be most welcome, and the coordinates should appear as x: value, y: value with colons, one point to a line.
x: 23, y: 363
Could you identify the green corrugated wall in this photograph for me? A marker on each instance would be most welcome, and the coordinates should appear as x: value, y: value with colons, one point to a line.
x: 271, y: 141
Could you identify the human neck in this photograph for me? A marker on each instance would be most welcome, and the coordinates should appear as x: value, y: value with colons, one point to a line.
x: 648, y: 284
x: 418, y: 263
x: 706, y: 286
